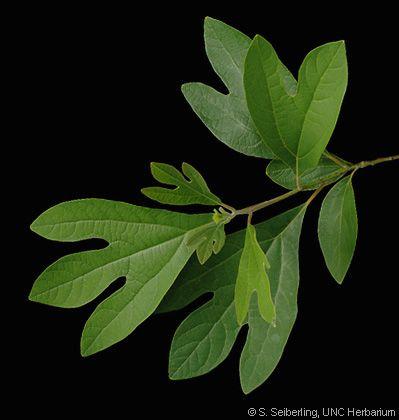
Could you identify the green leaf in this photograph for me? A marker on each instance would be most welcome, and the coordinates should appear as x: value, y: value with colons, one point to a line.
x: 280, y: 173
x: 270, y: 106
x: 206, y: 337
x: 193, y: 190
x: 226, y: 116
x: 252, y: 277
x: 322, y: 82
x: 207, y: 239
x: 338, y: 228
x: 146, y: 246
x: 297, y: 128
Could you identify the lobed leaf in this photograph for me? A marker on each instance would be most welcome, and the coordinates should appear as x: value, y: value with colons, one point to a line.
x: 252, y: 277
x: 207, y: 239
x: 146, y: 246
x: 298, y: 127
x: 206, y: 336
x: 193, y: 190
x: 226, y: 116
x: 338, y: 228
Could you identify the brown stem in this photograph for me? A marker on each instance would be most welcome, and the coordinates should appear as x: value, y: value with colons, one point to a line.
x: 267, y: 203
x: 367, y: 163
x: 249, y: 218
x: 364, y: 164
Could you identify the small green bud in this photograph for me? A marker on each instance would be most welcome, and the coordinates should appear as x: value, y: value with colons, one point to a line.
x: 217, y: 217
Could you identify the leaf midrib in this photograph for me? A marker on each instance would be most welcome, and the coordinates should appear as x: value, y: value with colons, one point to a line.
x: 54, y: 225
x: 340, y: 221
x: 272, y: 106
x: 116, y: 261
x: 228, y: 53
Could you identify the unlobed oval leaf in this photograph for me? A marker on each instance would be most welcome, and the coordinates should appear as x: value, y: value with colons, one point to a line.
x: 338, y: 228
x: 322, y: 82
x: 283, y: 175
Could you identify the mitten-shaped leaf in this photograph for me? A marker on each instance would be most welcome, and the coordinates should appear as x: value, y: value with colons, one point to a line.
x: 146, y: 246
x: 226, y: 116
x: 207, y: 335
x: 193, y: 190
x: 338, y: 228
x: 253, y: 278
x: 297, y: 127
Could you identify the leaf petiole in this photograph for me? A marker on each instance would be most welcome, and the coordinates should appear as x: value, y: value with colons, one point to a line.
x: 339, y: 161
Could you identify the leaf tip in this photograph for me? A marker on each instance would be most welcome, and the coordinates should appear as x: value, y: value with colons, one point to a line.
x: 85, y: 349
x: 341, y: 44
x: 173, y: 374
x: 210, y: 22
x: 184, y: 88
x: 145, y: 192
x: 33, y: 226
x: 32, y: 296
x: 240, y: 317
x: 185, y: 166
x: 339, y: 278
x: 245, y: 390
x: 153, y: 165
x: 84, y: 353
x: 258, y: 38
x: 36, y: 226
x: 246, y: 387
x: 36, y: 296
x: 203, y: 258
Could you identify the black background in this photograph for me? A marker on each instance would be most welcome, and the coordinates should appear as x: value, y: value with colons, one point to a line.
x: 99, y: 98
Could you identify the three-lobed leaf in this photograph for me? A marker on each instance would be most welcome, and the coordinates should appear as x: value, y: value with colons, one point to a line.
x: 337, y: 228
x: 146, y: 246
x: 296, y: 126
x: 190, y: 190
x: 206, y: 336
x: 206, y: 240
x: 252, y: 278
